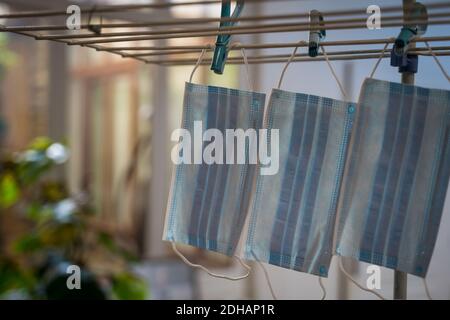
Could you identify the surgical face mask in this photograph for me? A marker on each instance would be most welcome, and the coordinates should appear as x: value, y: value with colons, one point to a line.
x: 208, y: 201
x: 397, y: 176
x: 293, y: 212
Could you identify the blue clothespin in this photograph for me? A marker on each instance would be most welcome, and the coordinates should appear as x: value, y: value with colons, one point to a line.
x: 221, y: 50
x: 317, y: 32
x: 416, y: 24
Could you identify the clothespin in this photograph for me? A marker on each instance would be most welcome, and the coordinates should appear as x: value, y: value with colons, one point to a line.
x: 221, y: 50
x: 317, y: 32
x: 94, y: 28
x: 416, y: 24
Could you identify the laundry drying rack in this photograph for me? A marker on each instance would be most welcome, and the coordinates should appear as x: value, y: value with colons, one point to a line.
x: 99, y: 36
x: 115, y: 37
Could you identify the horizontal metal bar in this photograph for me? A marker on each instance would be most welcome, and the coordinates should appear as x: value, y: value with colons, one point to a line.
x: 267, y: 61
x: 159, y: 53
x: 418, y: 51
x: 305, y: 24
x: 119, y: 8
x: 237, y: 32
x: 173, y: 22
x: 265, y: 45
x: 421, y: 49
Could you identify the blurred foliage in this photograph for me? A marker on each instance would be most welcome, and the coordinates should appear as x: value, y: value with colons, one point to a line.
x: 9, y: 191
x: 61, y: 230
x: 128, y: 287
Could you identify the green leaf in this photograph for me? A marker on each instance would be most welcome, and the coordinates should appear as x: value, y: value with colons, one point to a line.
x: 31, y: 172
x: 9, y: 191
x: 107, y: 241
x: 13, y: 277
x: 28, y: 243
x: 40, y: 143
x: 128, y: 287
x: 39, y: 213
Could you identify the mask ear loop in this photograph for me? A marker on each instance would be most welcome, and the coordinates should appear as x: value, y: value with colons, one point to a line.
x: 438, y: 62
x: 291, y: 58
x: 379, y: 59
x: 244, y: 56
x: 199, y: 61
x: 324, y: 290
x: 266, y: 275
x: 250, y: 85
x: 349, y: 277
x: 212, y: 274
x: 427, y: 290
x: 272, y: 292
x: 333, y: 72
x: 289, y: 62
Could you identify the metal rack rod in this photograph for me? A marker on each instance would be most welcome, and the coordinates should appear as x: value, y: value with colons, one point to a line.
x: 233, y: 32
x: 118, y: 8
x: 306, y: 25
x: 401, y: 278
x: 370, y: 54
x: 269, y: 45
x: 333, y: 53
x: 155, y: 6
x: 176, y: 22
x: 417, y: 50
x: 269, y: 61
x: 162, y: 23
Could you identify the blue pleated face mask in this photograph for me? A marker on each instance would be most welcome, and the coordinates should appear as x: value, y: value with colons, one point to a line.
x: 397, y: 176
x: 209, y: 201
x: 292, y: 216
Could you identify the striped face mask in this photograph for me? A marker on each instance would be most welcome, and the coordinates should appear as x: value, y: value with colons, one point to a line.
x: 293, y: 212
x: 208, y: 202
x: 397, y: 176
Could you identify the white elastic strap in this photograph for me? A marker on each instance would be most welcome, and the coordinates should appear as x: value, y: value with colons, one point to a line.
x: 341, y: 267
x: 334, y: 73
x: 244, y: 56
x: 212, y: 274
x: 250, y: 85
x: 289, y: 62
x: 266, y: 275
x: 438, y: 62
x: 427, y: 290
x: 324, y: 290
x: 379, y: 60
x: 199, y: 61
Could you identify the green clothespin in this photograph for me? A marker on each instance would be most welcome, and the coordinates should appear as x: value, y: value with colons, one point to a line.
x: 317, y: 32
x: 221, y: 50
